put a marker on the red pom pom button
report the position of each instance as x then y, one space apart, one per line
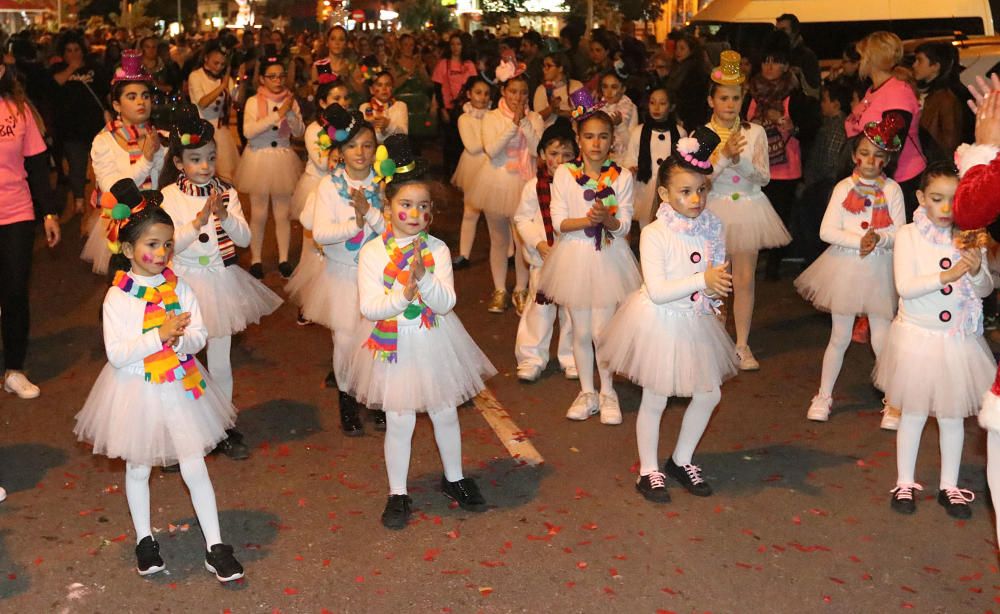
864 225
695 257
945 316
945 263
946 290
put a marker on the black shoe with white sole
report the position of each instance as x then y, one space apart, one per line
689 477
147 557
653 487
220 560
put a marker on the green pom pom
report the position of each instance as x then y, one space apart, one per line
120 211
412 312
388 168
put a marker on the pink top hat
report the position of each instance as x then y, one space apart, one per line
131 68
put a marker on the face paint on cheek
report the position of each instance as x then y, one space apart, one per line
402 216
147 259
427 217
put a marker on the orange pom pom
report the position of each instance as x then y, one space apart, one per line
108 200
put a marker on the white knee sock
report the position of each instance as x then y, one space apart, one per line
499 227
647 430
833 358
951 438
696 417
219 365
907 446
879 328
342 351
258 224
195 475
137 495
470 219
583 347
398 438
448 435
599 319
282 227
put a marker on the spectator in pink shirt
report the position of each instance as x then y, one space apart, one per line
449 76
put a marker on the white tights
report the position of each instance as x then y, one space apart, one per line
587 326
219 365
952 436
342 350
744 288
993 471
470 219
195 475
840 340
281 203
399 436
647 427
500 237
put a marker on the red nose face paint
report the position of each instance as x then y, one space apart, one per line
402 216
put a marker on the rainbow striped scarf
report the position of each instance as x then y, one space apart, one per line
602 190
384 340
166 365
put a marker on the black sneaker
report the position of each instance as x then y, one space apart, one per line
331 380
396 514
147 557
233 446
904 498
653 487
350 422
956 502
175 468
285 269
459 263
257 270
465 493
689 477
302 320
378 418
220 560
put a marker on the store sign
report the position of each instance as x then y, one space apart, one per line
358 15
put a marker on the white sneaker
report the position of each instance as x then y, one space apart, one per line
611 411
571 373
18 384
745 357
890 417
583 407
819 408
3 494
529 373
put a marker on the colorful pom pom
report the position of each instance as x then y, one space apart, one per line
120 211
108 200
381 154
341 134
387 168
114 247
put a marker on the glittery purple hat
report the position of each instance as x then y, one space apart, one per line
131 68
583 105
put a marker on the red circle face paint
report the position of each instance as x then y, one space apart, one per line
427 217
402 216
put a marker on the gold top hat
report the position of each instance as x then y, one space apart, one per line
728 71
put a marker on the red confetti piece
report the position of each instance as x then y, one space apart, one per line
120 538
608 590
453 534
431 553
38 561
485 591
668 591
837 580
359 579
590 526
326 562
796 520
492 563
581 565
826 599
570 584
291 591
908 589
930 569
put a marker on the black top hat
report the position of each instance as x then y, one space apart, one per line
395 161
695 151
189 132
127 193
342 125
153 197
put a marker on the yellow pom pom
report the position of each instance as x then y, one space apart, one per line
381 154
115 247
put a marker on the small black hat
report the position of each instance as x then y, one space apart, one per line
341 125
153 198
695 151
561 130
395 161
190 132
126 192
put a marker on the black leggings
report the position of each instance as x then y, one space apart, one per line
16 242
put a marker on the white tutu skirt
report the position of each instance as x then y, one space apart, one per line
750 221
437 368
227 154
577 276
496 191
468 171
230 298
303 279
673 353
842 282
152 424
268 170
330 298
932 373
95 250
645 202
303 190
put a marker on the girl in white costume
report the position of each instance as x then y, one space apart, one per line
413 355
128 147
666 336
470 165
741 168
510 138
854 275
650 145
551 99
211 90
270 167
591 268
936 362
620 109
386 114
152 404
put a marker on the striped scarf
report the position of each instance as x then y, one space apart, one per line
130 135
864 195
384 339
601 190
227 249
543 189
378 107
166 365
724 133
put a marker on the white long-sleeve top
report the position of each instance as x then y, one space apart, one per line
659 148
111 163
437 289
842 228
317 164
498 131
263 132
529 224
568 202
630 118
398 116
125 343
923 299
746 177
189 250
541 99
200 84
674 265
334 220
